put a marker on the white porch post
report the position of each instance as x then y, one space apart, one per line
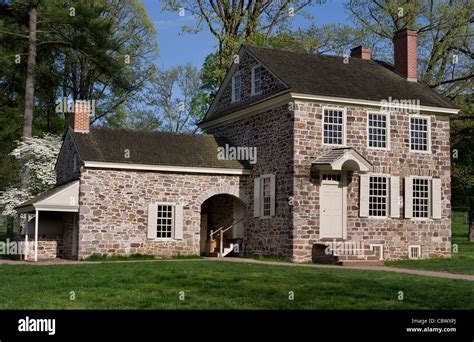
26 237
36 234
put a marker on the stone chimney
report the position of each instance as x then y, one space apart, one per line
79 120
404 44
361 52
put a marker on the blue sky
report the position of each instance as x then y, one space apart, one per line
180 48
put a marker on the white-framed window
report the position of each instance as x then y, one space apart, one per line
256 80
377 249
77 163
378 130
165 221
421 197
420 133
236 86
414 252
378 196
264 196
334 126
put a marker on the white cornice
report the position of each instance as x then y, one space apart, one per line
165 168
369 103
288 97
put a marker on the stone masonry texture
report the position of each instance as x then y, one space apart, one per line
113 214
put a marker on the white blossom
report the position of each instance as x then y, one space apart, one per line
37 156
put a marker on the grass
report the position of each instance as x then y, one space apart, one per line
119 257
461 262
266 258
222 285
106 258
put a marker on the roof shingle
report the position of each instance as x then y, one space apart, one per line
317 74
152 148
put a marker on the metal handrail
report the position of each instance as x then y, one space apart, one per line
221 239
225 229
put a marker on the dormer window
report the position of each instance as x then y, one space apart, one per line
236 82
77 163
256 80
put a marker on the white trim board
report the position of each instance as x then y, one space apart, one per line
369 103
281 98
165 168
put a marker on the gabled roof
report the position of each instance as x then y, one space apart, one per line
341 158
63 197
317 74
113 145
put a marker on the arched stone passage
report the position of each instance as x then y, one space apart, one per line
222 207
221 190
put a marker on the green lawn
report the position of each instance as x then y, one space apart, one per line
461 262
222 285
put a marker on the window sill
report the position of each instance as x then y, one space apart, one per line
420 152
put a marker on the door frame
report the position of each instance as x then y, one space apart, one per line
343 182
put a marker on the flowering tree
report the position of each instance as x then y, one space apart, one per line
38 156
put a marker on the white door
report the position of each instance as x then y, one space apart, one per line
331 207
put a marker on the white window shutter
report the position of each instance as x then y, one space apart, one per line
256 197
394 196
364 196
408 197
272 195
436 198
151 233
178 222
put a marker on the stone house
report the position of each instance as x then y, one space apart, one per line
346 150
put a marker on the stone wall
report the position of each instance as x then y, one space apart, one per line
69 220
271 132
395 234
270 85
113 210
49 247
65 162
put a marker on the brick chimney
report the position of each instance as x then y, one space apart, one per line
404 44
79 120
361 52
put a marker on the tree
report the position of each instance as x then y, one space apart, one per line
38 155
462 141
445 37
30 71
233 22
178 97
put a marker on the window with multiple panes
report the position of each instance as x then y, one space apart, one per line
164 221
378 130
333 127
266 195
421 197
256 80
419 134
236 85
378 196
414 252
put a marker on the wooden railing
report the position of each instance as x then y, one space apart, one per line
221 232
